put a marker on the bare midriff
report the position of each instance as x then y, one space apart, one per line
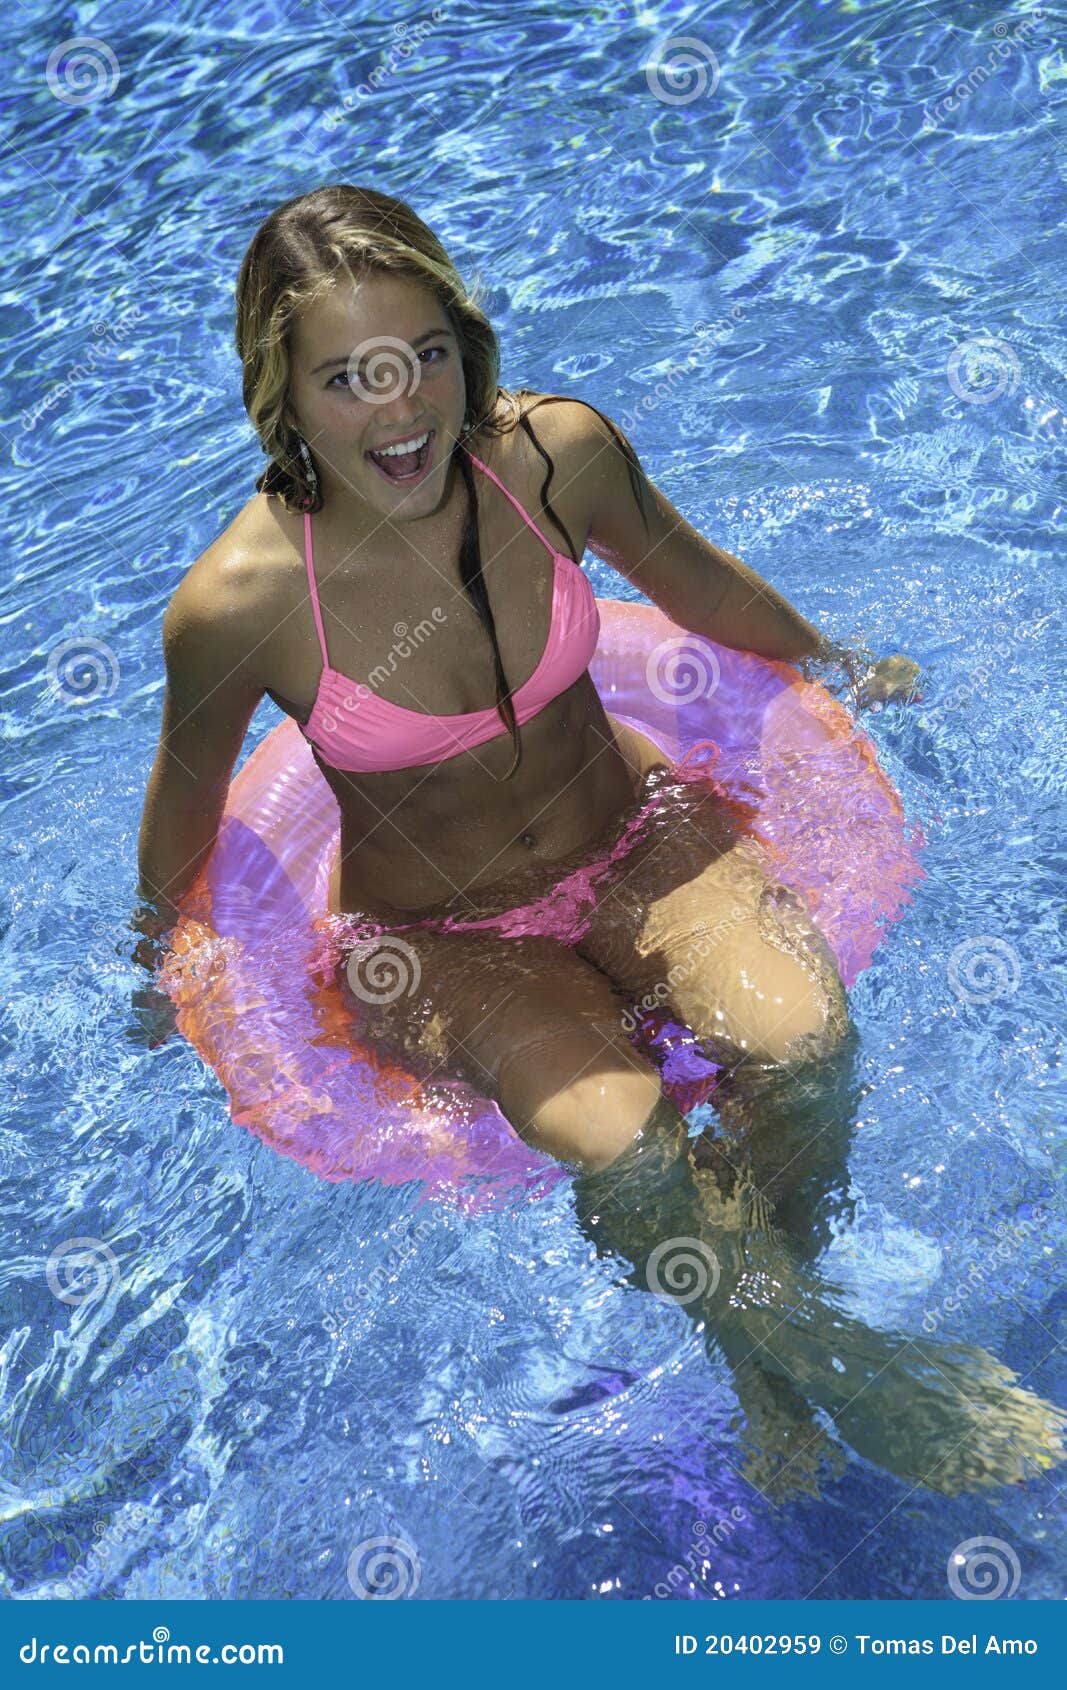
429 841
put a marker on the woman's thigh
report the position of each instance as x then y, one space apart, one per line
698 922
526 1021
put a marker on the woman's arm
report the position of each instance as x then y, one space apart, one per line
210 644
696 583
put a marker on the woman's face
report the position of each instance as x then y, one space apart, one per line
375 364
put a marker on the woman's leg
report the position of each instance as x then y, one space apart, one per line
539 1029
695 922
528 1023
695 919
947 1416
746 970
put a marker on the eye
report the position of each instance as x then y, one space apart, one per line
342 375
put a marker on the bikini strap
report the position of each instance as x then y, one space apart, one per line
526 517
309 560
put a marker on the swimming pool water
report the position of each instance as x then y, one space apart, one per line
822 295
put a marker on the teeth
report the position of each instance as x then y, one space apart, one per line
405 446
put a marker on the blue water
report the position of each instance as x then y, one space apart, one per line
870 418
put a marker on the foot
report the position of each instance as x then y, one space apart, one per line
953 1419
787 1451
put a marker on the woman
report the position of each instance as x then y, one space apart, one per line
355 333
542 862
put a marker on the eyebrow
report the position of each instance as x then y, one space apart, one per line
430 334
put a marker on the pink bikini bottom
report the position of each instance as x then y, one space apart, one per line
559 899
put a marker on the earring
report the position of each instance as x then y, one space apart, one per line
309 466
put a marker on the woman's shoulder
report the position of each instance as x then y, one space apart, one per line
571 434
571 431
559 421
254 536
233 587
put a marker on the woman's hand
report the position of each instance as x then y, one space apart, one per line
153 921
890 678
154 1014
871 680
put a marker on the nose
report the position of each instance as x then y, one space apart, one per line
399 421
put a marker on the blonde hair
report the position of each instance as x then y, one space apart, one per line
342 234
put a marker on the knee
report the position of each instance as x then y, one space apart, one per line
580 1100
779 1011
804 1018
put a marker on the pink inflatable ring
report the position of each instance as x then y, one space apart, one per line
281 1037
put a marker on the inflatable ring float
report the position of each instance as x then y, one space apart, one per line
280 1034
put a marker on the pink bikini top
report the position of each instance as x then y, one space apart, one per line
355 730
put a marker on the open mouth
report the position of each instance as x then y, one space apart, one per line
406 467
